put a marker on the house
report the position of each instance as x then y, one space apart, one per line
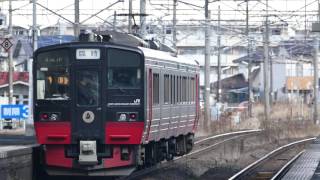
20 86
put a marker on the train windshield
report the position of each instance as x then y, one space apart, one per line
124 69
52 75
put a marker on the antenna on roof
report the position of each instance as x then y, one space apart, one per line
89 36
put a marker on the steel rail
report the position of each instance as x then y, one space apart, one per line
286 167
236 134
247 170
227 134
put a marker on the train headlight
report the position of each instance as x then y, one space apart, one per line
54 117
47 116
122 117
133 116
44 116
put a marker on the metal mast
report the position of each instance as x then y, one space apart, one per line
250 96
207 69
219 57
29 123
10 63
142 18
130 17
266 68
174 24
76 18
316 29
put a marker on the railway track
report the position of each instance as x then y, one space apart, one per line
267 166
200 146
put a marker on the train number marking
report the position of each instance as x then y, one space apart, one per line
88 117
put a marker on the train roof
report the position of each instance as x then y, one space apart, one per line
148 53
161 55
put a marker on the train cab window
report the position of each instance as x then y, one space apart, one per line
52 75
124 69
87 88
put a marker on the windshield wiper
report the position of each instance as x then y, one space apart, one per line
120 88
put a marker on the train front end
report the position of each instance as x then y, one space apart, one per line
89 108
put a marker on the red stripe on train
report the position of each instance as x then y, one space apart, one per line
55 156
53 132
116 161
124 132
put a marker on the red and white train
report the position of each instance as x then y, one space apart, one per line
103 109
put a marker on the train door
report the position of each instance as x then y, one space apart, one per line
87 119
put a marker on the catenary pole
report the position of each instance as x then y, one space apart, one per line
130 17
174 24
315 72
250 95
266 68
207 69
219 89
143 18
10 54
316 81
29 124
76 25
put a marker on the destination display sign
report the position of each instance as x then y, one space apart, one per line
53 58
88 54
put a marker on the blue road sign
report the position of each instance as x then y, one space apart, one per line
16 111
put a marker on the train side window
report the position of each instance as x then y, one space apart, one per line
171 89
155 88
184 89
192 89
178 89
166 89
180 79
174 90
188 90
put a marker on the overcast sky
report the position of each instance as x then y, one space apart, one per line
189 11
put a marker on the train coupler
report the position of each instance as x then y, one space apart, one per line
88 153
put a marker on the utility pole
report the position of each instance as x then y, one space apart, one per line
219 89
76 18
29 123
266 68
130 17
114 20
316 29
10 63
250 96
316 81
207 117
163 39
174 24
271 83
143 18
